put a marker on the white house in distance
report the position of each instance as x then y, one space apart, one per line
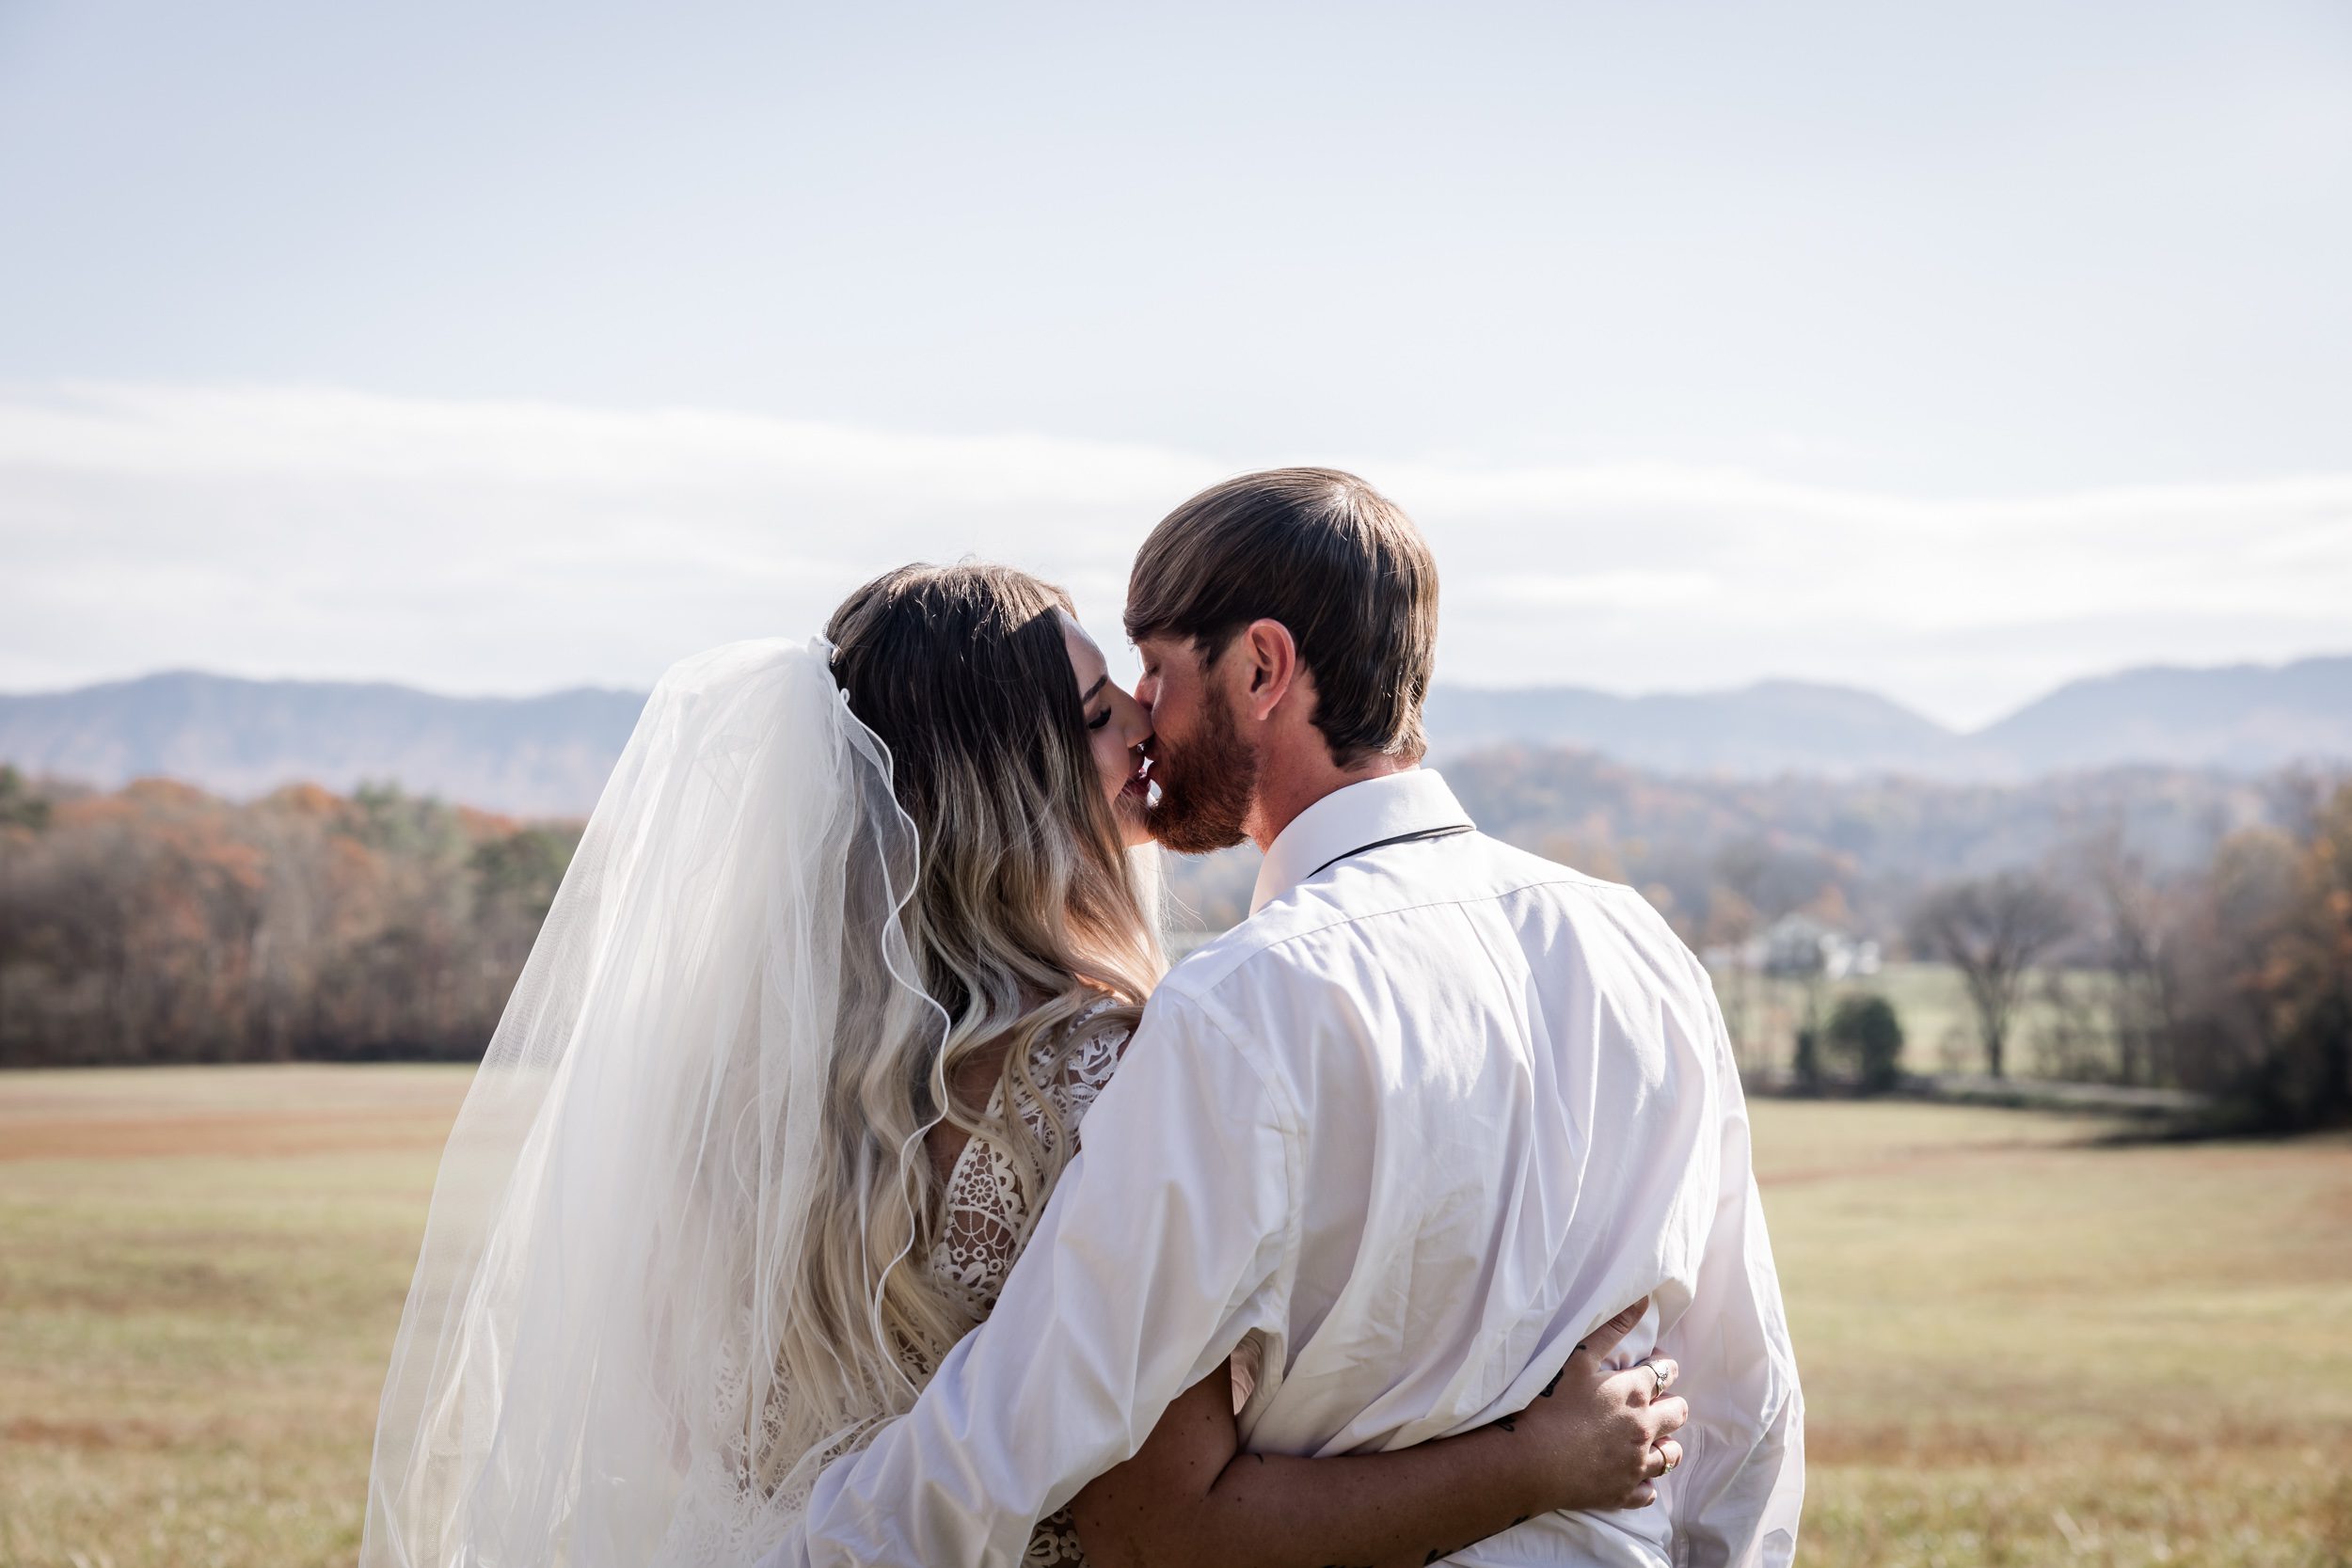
1798 946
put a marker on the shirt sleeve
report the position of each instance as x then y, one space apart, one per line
1162 1246
1736 1496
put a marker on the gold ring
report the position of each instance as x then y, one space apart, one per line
1672 1459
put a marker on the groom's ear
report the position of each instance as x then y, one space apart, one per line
1269 667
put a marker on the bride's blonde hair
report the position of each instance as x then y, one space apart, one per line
1024 914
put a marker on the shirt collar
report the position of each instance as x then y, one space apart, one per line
1350 818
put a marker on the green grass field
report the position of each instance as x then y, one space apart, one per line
1939 1028
2020 1346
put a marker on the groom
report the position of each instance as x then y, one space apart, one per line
1424 1120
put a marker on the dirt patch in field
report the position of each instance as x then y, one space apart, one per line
1942 1446
249 1135
89 1435
1918 1448
1899 1162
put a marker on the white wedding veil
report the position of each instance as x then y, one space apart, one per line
585 1373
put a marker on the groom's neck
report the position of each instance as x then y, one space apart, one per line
1289 784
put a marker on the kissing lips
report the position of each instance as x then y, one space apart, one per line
1138 785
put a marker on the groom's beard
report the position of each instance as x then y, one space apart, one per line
1206 785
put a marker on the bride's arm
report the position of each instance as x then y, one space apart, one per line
1189 1496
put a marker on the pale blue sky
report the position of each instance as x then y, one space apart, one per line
1905 265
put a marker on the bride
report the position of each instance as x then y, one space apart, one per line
853 939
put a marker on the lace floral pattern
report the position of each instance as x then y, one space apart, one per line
987 1218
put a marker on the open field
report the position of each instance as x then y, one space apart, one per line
1939 1027
2020 1347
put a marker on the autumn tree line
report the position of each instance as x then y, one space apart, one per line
161 923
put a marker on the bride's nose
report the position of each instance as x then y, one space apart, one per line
1137 723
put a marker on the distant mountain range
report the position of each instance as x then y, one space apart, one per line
1783 842
535 756
2240 719
1768 728
548 755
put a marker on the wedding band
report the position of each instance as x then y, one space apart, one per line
1672 1459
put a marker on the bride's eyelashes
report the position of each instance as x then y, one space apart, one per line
1098 720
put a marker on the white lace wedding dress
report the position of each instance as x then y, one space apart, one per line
988 1220
632 1179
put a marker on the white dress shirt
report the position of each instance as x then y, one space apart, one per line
1432 1113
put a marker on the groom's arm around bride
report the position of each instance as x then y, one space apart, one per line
1415 1129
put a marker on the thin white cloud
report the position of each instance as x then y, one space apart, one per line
1625 590
514 547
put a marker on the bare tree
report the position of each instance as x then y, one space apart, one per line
1993 930
2135 924
1733 920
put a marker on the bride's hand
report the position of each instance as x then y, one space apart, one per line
1602 1438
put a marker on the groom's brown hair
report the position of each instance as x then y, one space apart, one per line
1337 562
